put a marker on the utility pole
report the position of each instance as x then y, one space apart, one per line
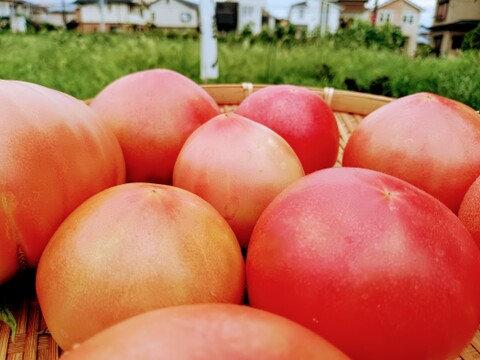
12 16
374 14
208 41
64 15
101 5
323 21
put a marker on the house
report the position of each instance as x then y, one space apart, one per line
119 15
236 15
15 12
453 19
173 14
61 16
404 14
315 14
5 9
37 13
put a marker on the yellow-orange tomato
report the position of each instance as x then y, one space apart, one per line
206 332
133 248
54 154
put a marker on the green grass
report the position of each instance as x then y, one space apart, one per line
82 65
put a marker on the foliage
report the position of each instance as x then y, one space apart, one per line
363 34
472 39
82 64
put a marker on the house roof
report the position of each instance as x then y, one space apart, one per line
189 4
58 8
301 3
461 25
405 1
85 2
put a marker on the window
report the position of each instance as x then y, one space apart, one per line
301 13
407 19
185 17
384 17
247 10
441 13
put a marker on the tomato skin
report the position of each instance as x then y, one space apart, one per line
238 166
152 113
209 332
134 248
54 154
374 265
301 117
428 140
469 212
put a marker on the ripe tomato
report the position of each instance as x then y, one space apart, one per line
54 154
428 140
152 113
301 117
238 166
206 332
374 265
133 248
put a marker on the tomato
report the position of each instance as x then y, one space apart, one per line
133 248
428 140
152 113
301 117
54 154
371 263
206 331
469 212
238 166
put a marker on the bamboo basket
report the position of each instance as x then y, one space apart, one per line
33 341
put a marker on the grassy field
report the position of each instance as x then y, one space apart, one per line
82 65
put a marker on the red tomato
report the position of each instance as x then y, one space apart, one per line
54 154
301 117
469 212
152 113
133 248
238 166
371 263
428 140
208 332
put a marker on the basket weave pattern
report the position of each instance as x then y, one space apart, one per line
33 341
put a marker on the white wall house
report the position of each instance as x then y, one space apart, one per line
16 12
173 14
5 9
118 15
315 14
61 14
249 12
58 17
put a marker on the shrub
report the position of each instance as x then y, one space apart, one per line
361 33
472 39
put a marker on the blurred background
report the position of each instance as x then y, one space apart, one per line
387 47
